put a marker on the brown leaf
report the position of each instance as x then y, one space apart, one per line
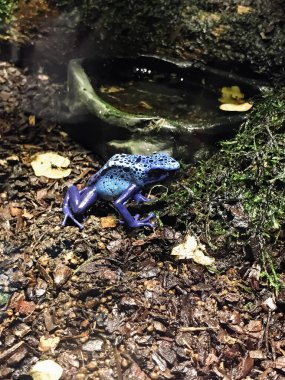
20 353
244 368
41 194
15 209
10 351
279 363
254 326
108 222
134 372
25 307
27 215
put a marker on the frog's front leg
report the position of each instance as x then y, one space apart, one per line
131 221
77 202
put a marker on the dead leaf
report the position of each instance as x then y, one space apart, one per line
270 303
244 368
219 31
32 120
191 249
254 326
13 158
145 105
48 344
236 107
111 89
15 210
27 214
25 307
108 222
41 194
232 95
51 165
46 370
242 9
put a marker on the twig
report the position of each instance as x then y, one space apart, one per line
267 333
193 328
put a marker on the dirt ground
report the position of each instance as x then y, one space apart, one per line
105 302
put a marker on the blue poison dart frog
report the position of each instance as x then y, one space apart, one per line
121 179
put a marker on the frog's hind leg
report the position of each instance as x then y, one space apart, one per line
139 198
131 221
77 202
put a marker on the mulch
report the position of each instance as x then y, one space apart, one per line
105 302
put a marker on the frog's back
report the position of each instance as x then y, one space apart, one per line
123 170
111 185
132 166
116 176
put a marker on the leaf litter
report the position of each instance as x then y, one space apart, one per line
107 303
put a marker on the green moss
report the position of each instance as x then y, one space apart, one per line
239 194
6 10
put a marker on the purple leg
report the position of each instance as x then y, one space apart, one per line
77 202
128 218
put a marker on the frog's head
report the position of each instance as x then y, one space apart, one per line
159 166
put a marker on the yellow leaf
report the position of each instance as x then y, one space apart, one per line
242 9
108 222
51 165
111 89
13 158
232 95
32 120
236 107
48 344
145 105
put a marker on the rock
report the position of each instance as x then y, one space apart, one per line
93 345
61 274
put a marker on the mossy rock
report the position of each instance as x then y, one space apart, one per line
107 129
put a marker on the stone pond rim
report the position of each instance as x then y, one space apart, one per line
106 129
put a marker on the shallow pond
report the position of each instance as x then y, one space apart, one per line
146 86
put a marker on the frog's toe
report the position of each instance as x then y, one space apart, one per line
64 221
69 215
150 216
144 222
80 225
139 198
136 217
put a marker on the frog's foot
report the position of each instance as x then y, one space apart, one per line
139 198
68 214
136 222
143 222
120 205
